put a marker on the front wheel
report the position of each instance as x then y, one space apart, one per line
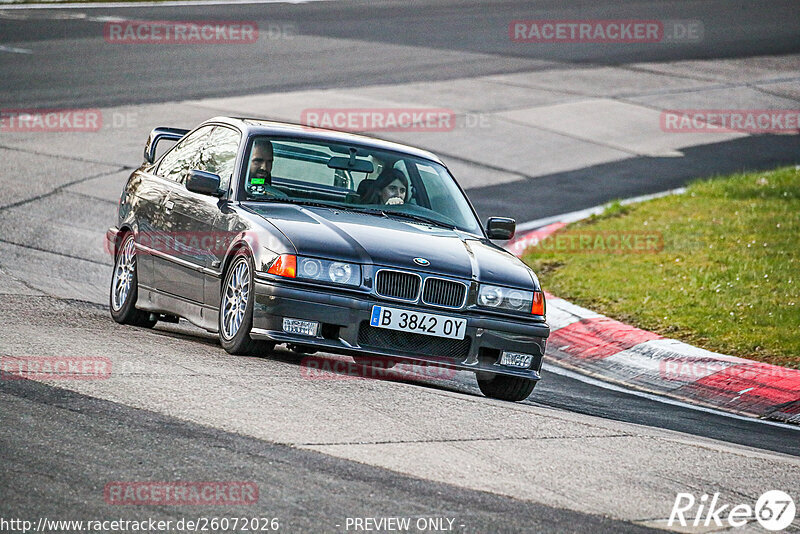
509 388
125 287
236 307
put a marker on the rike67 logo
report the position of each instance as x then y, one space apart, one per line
774 510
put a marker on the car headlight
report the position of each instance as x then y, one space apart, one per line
337 272
310 268
341 273
516 300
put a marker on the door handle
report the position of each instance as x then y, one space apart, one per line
168 205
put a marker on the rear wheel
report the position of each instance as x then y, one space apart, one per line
509 388
236 308
125 287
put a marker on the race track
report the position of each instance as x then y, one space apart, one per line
574 457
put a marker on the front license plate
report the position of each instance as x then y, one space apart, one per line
515 359
418 323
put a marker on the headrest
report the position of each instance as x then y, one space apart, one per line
364 186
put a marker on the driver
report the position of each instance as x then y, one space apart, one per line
391 187
261 158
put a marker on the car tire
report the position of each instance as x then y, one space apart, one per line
236 307
124 291
508 388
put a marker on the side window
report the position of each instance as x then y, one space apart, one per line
183 157
218 154
440 197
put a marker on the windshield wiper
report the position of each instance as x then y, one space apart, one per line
299 202
387 213
418 218
368 211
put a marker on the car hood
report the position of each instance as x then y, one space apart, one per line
393 242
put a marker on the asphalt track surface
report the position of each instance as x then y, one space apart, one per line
305 491
92 73
48 468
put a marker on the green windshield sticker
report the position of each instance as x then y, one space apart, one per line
257 181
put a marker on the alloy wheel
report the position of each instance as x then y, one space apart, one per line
123 274
234 300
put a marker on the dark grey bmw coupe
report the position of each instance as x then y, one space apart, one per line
272 233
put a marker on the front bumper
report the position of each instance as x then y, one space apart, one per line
345 329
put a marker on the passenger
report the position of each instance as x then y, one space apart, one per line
391 187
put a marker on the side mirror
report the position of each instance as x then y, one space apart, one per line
500 228
173 134
204 183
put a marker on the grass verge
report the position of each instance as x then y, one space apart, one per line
717 267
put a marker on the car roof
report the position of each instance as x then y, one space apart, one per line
266 127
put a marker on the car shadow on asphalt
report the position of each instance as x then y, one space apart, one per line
329 366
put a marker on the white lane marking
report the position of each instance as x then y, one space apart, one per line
588 212
106 19
557 370
15 50
179 3
80 16
562 313
58 16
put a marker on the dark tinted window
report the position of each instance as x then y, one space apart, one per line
218 154
184 156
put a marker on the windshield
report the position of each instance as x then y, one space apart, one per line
354 177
